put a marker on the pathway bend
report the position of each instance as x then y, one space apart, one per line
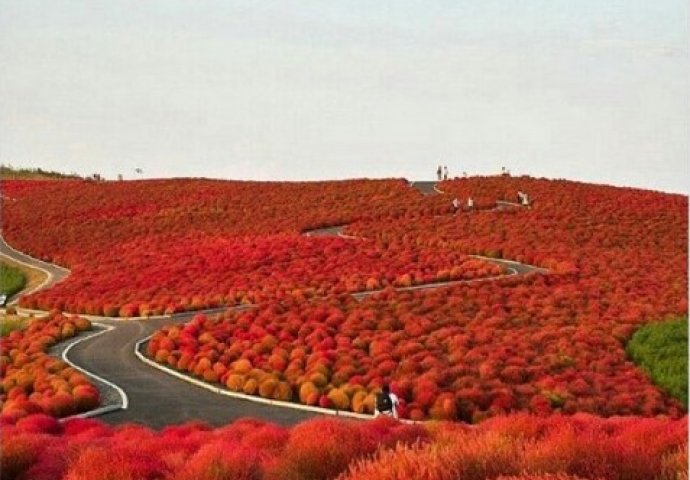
54 273
157 399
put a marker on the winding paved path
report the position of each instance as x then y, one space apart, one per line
54 273
156 399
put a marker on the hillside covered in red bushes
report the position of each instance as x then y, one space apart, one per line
542 342
531 357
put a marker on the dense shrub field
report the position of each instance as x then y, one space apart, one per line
512 448
550 345
616 260
661 349
33 381
466 353
190 245
84 218
196 272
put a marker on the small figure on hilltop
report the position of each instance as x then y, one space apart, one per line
470 204
445 173
505 172
386 403
464 174
439 172
455 205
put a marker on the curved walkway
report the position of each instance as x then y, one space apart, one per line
54 273
157 399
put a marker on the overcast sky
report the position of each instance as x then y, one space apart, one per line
589 90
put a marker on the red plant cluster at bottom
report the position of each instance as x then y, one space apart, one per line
514 447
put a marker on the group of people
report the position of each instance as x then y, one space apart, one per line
522 199
456 205
442 173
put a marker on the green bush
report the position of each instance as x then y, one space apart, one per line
11 280
661 349
10 323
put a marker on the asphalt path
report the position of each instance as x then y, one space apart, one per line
426 188
336 230
157 399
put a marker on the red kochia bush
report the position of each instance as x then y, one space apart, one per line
321 449
545 476
40 423
221 459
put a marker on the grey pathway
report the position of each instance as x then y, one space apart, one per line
325 232
426 188
157 399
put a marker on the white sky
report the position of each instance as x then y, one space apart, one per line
587 90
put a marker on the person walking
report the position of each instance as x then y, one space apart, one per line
445 173
386 403
456 205
470 204
439 172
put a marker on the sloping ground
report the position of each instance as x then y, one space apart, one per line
619 258
156 399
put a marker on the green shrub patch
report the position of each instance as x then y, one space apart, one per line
11 280
661 349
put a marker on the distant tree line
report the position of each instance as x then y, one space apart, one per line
8 171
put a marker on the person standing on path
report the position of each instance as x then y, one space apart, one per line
445 173
438 173
456 206
386 403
